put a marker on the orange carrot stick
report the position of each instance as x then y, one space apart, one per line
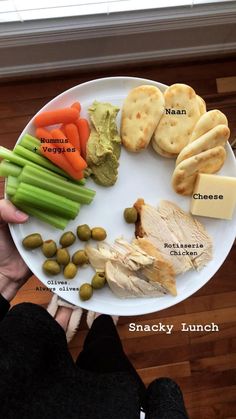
59 160
43 133
74 158
58 134
76 105
72 134
84 133
58 116
62 129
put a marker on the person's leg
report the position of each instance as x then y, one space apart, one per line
165 400
31 341
103 352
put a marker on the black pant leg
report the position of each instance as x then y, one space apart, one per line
32 344
103 352
165 400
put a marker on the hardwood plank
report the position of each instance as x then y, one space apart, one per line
181 369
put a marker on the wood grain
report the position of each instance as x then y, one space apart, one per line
203 363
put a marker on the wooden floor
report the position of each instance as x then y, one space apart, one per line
204 364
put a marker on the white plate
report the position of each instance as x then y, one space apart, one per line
145 175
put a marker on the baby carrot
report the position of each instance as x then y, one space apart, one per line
58 134
84 133
43 133
58 116
59 160
77 106
75 159
72 134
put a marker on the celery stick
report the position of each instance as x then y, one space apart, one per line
35 158
31 143
46 200
12 185
65 188
7 169
13 181
20 161
10 190
52 219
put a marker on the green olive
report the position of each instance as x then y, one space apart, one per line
85 292
67 239
51 267
84 232
49 248
32 241
98 280
80 257
130 215
70 270
63 256
98 233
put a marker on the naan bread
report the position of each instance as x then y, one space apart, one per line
141 113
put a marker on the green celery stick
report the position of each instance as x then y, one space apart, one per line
35 158
10 190
13 181
48 182
12 185
52 219
30 142
46 200
20 161
33 144
9 169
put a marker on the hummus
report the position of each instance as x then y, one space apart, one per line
104 143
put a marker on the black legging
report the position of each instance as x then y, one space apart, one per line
33 345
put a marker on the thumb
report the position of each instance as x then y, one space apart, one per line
10 214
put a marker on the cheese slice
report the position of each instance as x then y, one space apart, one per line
214 196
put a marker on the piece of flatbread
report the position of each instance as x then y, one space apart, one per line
185 174
141 112
162 153
201 104
215 137
208 121
181 115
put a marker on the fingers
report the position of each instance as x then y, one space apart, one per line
10 214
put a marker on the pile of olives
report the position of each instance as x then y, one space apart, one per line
59 258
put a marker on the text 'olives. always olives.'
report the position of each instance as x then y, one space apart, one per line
98 233
63 256
32 241
84 232
51 267
85 292
49 248
130 215
70 270
80 258
99 280
67 239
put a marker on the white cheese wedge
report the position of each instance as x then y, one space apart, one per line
214 196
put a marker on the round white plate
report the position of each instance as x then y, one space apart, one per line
145 175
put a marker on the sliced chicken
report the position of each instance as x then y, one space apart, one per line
189 231
125 284
156 230
162 271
